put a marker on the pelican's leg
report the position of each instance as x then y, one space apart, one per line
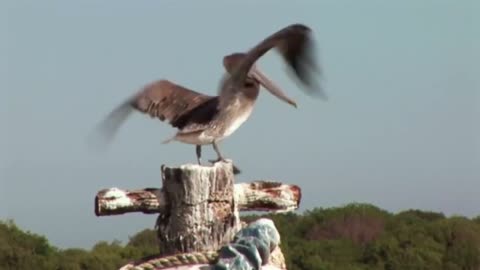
221 158
217 150
219 155
199 154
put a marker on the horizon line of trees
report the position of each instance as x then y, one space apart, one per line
354 237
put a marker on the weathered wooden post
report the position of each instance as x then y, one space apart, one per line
198 209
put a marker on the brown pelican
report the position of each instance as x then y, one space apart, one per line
204 119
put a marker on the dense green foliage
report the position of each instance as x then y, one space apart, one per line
356 237
21 250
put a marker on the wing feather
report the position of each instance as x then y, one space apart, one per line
162 99
168 101
295 44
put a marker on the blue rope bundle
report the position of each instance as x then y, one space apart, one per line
250 248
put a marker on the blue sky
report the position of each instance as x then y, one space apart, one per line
400 129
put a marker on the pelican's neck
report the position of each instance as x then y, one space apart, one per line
251 89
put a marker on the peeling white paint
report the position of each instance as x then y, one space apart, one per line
239 194
244 194
116 198
114 193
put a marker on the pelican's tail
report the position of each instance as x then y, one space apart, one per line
169 140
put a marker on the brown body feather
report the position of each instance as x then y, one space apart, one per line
171 102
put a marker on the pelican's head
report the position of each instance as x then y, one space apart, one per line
233 60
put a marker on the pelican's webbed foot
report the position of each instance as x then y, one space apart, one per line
217 160
221 158
236 170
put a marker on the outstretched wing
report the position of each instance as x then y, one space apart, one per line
296 45
168 101
163 99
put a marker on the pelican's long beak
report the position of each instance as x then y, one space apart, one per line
270 86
